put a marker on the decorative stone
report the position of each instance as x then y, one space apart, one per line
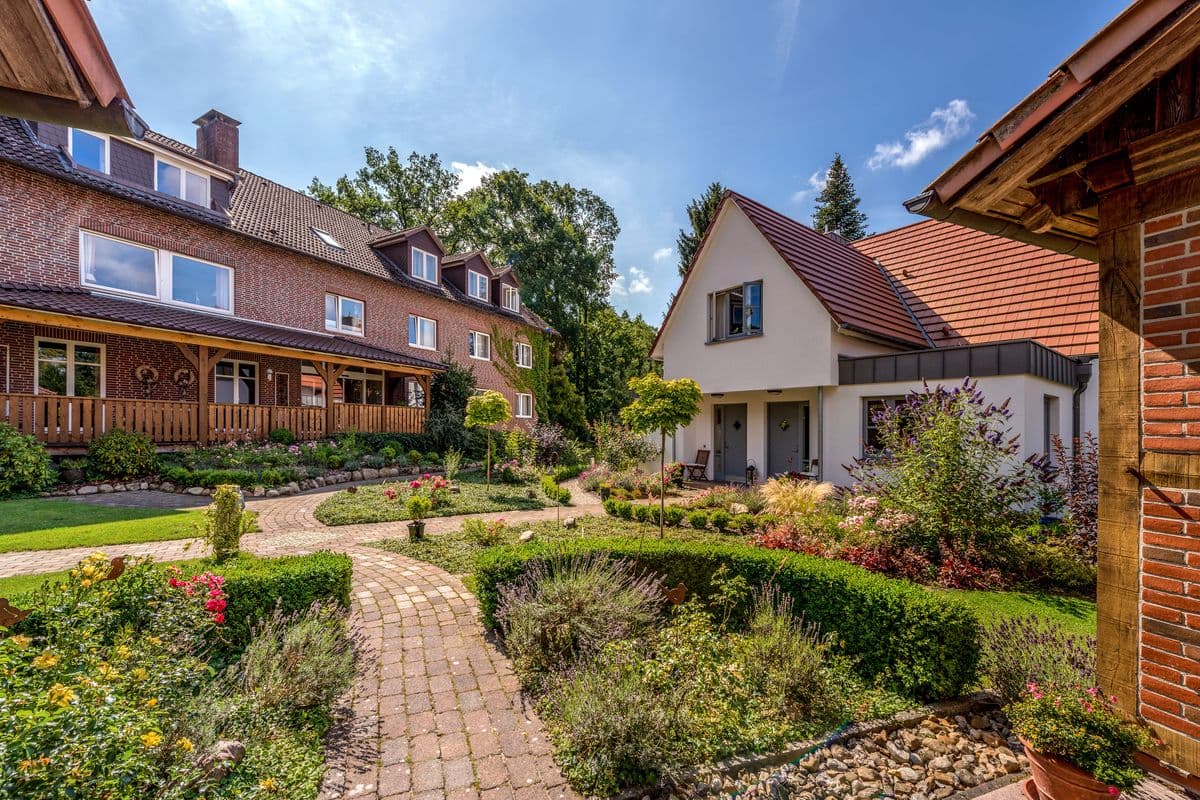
88 489
389 472
105 488
738 508
166 486
525 536
370 474
356 475
570 522
220 761
295 487
258 491
272 493
196 490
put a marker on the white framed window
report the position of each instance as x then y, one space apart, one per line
88 149
477 285
524 406
68 369
312 387
523 354
179 181
327 238
236 382
479 345
737 312
414 393
364 387
422 332
128 268
344 314
424 265
510 298
872 408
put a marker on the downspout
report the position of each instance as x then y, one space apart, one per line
1083 374
820 434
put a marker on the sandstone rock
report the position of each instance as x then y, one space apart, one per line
105 488
389 472
525 536
738 508
941 763
356 475
87 489
143 485
910 775
258 491
370 474
166 486
272 493
221 760
196 490
966 777
570 522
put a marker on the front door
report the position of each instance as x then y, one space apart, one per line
731 442
785 438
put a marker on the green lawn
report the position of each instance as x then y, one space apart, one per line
368 503
43 524
1073 613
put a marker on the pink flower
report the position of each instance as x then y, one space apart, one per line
1114 791
415 485
219 618
426 476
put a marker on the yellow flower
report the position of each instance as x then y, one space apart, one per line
151 738
21 641
151 702
86 582
185 744
268 785
46 660
123 651
108 672
60 695
154 640
139 674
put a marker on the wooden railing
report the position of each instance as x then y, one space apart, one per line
75 421
382 419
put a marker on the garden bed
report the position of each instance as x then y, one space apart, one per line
372 504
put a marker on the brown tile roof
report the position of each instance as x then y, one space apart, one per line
80 302
852 288
260 208
969 287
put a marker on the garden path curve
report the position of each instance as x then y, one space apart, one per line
436 711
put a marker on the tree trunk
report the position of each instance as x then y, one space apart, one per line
662 481
489 460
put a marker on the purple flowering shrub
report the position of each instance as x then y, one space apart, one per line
1018 651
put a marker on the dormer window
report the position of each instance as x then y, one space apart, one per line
181 182
511 299
424 265
88 149
477 285
327 238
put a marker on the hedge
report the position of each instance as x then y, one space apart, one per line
253 587
915 641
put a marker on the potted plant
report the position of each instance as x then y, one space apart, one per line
1079 744
418 507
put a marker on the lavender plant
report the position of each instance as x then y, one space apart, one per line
948 457
1019 651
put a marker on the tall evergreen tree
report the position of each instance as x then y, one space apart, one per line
701 212
837 204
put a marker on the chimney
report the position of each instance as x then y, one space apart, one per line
217 139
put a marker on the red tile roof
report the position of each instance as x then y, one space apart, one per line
969 287
854 290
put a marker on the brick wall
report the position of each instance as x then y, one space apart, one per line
39 243
1169 654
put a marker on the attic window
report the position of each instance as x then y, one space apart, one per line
327 238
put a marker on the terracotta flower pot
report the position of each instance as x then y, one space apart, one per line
1057 779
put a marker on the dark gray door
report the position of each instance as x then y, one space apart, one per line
732 437
785 438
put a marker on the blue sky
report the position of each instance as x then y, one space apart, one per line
642 102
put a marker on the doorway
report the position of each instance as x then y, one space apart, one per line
787 437
729 435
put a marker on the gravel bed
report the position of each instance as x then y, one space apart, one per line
933 759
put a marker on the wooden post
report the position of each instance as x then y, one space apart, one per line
202 372
329 374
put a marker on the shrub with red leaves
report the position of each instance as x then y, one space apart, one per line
789 537
898 562
963 570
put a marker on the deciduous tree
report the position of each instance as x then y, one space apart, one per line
488 410
393 193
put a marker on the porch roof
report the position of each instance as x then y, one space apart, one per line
56 305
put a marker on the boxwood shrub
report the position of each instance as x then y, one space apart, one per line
915 641
253 587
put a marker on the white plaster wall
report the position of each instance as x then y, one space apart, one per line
796 346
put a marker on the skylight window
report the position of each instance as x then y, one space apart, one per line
327 238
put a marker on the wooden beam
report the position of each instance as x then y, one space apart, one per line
1174 470
1038 219
186 352
203 370
1110 172
1166 153
39 317
1117 605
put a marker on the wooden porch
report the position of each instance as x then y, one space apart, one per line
72 422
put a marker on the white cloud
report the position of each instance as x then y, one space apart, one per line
471 175
789 14
636 282
943 126
816 185
663 253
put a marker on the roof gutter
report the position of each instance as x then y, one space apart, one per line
928 204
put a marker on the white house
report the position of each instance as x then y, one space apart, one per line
796 336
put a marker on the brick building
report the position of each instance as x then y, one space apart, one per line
149 285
